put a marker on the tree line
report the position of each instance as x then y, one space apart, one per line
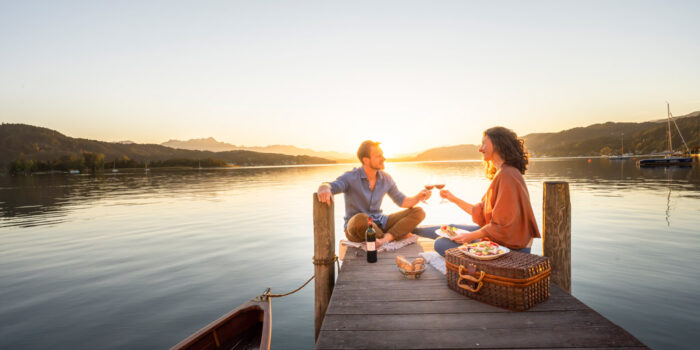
95 162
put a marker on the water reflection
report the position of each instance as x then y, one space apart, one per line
51 197
27 201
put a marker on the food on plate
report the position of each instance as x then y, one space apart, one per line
403 263
483 248
450 231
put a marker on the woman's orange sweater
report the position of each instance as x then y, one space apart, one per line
505 213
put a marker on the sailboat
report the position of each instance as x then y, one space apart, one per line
114 167
622 155
671 158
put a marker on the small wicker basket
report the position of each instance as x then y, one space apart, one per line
412 274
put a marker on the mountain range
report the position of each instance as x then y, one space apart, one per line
593 140
211 144
21 141
45 145
607 138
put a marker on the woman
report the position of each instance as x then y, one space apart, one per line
504 214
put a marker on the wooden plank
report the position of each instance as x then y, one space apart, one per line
357 307
439 293
400 284
477 338
381 261
390 285
402 294
353 253
385 275
461 321
637 347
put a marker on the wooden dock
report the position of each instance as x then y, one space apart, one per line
373 306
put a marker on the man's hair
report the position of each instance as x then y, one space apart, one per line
365 148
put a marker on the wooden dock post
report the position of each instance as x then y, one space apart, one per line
556 231
324 264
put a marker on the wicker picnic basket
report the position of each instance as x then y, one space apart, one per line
516 281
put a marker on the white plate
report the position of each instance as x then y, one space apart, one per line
442 234
466 252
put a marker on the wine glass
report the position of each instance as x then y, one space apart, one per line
440 184
429 183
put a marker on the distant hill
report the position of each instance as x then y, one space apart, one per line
42 144
211 144
207 144
601 139
459 152
593 140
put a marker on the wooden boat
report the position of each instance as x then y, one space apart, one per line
246 327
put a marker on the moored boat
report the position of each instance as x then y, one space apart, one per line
671 158
666 161
622 155
246 327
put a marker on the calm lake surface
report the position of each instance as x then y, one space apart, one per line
141 260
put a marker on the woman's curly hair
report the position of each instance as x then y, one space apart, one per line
510 147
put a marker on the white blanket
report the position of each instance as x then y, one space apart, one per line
432 258
435 260
393 245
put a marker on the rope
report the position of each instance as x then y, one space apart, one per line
327 261
292 292
315 261
679 133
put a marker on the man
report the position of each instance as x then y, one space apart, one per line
364 189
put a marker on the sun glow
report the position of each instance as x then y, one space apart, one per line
394 147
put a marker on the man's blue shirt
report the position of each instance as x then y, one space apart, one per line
360 199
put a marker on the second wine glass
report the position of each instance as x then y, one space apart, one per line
440 184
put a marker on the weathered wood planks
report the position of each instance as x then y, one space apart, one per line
374 307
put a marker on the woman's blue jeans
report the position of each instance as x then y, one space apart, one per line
442 244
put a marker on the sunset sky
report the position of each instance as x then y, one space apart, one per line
328 74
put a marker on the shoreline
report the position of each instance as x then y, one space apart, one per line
232 167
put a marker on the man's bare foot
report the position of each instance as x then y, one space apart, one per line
388 237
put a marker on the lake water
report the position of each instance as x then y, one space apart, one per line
141 260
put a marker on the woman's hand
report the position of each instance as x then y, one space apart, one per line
447 195
463 238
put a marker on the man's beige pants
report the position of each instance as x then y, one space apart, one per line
399 224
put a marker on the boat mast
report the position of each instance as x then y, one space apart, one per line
668 114
622 144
